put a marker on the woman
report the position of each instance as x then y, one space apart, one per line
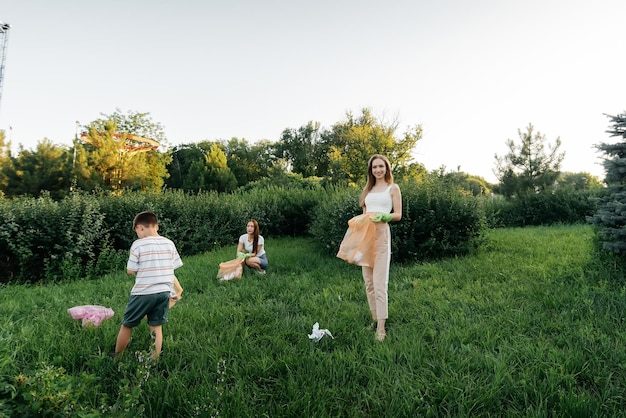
381 198
251 244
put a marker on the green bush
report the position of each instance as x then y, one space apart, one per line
43 238
561 206
436 222
282 211
330 217
87 235
196 223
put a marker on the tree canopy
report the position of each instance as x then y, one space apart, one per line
610 216
528 166
104 157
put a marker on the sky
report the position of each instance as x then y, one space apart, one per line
472 73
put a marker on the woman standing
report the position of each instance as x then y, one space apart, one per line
252 244
381 198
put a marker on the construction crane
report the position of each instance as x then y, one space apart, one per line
4 39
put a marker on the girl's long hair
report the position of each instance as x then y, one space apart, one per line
371 180
255 235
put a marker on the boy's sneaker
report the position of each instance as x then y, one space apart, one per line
260 272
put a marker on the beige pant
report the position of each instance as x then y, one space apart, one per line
377 278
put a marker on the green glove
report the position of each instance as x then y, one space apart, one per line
382 217
242 256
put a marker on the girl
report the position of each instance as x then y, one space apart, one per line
381 198
252 243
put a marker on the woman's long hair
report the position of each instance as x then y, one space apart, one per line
371 180
255 235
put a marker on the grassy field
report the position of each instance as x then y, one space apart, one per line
531 325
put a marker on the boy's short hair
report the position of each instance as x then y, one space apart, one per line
146 219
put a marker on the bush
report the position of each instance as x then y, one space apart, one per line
43 238
330 217
86 235
436 222
563 205
281 211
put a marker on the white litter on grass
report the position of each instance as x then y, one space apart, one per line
228 276
318 333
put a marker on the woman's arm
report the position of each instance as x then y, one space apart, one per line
240 248
396 199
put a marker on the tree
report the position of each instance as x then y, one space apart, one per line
352 142
528 166
466 183
136 123
180 168
218 176
610 215
46 168
579 181
247 162
6 162
298 148
123 151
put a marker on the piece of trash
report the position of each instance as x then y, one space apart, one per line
91 314
318 333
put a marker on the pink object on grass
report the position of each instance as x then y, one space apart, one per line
91 314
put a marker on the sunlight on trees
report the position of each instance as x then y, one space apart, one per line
610 217
105 157
352 142
528 166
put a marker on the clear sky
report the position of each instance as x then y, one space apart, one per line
471 72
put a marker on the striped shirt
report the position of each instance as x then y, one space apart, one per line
154 259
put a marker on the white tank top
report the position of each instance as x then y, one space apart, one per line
379 202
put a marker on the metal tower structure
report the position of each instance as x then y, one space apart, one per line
4 40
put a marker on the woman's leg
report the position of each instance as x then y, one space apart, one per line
257 263
254 262
368 279
381 275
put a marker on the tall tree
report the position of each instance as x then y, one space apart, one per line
136 123
249 162
218 176
201 166
183 158
124 151
579 181
466 183
353 141
298 148
44 169
6 162
610 216
528 166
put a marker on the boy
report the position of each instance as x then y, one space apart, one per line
152 261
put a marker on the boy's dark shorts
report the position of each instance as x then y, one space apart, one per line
155 306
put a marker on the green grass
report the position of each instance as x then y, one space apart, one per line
531 325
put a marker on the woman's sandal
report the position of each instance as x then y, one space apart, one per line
380 336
